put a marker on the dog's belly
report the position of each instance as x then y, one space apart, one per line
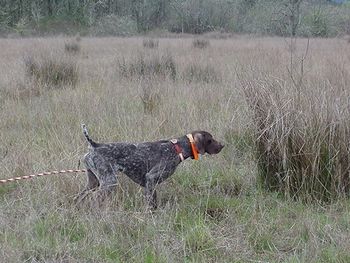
136 172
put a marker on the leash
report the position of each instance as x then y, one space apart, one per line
14 179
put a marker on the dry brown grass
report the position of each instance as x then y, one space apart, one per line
151 98
148 65
200 43
150 43
73 46
210 211
201 73
51 69
301 127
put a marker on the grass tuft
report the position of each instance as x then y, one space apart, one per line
301 142
151 100
200 43
150 43
51 70
72 47
199 240
201 73
154 65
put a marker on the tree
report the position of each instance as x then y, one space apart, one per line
294 15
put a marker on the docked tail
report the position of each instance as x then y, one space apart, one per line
86 134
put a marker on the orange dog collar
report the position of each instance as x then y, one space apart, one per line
193 146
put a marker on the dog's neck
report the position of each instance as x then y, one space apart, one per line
185 145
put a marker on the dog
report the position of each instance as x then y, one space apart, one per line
147 164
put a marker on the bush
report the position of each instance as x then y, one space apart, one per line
51 70
154 65
261 18
150 43
317 24
200 43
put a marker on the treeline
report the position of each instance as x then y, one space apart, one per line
127 17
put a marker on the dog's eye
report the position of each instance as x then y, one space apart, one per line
209 141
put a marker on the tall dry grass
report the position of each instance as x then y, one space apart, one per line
150 43
200 43
148 65
51 69
302 144
73 46
302 128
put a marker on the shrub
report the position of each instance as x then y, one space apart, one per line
200 43
150 43
51 70
197 72
154 65
317 24
301 139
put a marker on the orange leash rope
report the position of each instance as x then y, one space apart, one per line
9 180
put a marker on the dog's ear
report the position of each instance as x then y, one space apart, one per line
199 141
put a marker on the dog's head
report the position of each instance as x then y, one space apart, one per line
205 143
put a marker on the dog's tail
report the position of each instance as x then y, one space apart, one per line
86 134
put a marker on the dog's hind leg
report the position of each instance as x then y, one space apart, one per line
91 186
108 180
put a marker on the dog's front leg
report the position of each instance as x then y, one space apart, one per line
153 177
150 190
157 175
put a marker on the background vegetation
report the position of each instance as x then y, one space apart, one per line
124 17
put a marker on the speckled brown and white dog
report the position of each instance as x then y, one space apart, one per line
147 163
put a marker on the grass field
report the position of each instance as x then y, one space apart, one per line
212 210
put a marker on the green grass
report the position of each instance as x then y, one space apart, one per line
6 189
264 224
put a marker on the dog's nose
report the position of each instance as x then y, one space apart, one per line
220 146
